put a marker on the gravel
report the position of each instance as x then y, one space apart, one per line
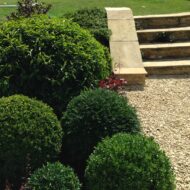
163 106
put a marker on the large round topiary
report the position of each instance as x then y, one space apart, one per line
30 135
49 58
132 162
54 177
90 117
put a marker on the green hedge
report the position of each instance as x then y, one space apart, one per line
90 117
52 59
30 135
54 177
131 162
94 20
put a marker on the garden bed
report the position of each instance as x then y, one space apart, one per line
164 109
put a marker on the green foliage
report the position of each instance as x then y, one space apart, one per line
27 8
30 135
54 177
90 117
129 162
49 58
94 20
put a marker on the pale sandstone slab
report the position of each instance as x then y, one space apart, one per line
124 45
162 21
187 28
172 67
167 63
185 14
119 13
126 54
129 70
123 30
132 75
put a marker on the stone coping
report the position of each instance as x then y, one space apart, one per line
128 71
187 28
167 63
163 15
165 45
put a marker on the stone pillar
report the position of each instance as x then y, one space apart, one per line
124 46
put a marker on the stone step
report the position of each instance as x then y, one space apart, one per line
180 66
162 21
164 35
132 75
165 51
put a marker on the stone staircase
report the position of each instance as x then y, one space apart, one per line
165 43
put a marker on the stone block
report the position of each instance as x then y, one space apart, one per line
119 13
126 54
122 30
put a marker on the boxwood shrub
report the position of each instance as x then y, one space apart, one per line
51 59
54 177
129 162
30 135
90 117
94 20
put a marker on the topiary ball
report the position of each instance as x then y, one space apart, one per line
30 135
90 117
51 59
129 162
54 177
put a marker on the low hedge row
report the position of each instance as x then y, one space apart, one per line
95 21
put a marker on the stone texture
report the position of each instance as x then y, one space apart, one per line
166 35
162 21
132 75
149 23
119 13
165 43
122 30
126 54
165 51
124 44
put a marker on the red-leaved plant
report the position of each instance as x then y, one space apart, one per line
112 83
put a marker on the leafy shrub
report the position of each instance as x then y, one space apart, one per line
30 134
27 8
129 162
90 117
94 20
54 177
112 83
50 59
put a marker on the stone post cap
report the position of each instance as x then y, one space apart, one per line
119 13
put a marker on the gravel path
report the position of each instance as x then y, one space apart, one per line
164 109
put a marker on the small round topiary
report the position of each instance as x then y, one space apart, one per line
129 162
90 117
54 177
51 59
30 135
